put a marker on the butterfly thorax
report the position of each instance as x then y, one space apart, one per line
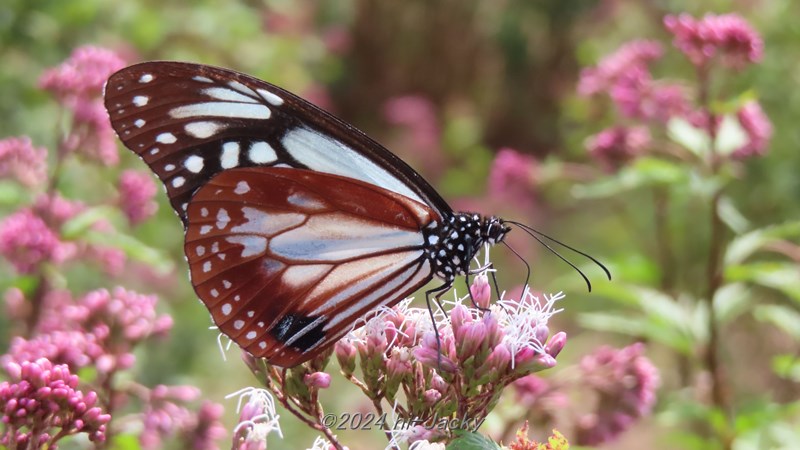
450 246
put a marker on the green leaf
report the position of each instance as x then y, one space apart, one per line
472 441
729 214
11 193
125 442
785 318
780 276
642 172
730 301
747 244
133 248
730 135
695 140
662 319
81 223
787 366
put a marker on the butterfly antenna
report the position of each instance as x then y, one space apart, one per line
553 251
527 266
569 247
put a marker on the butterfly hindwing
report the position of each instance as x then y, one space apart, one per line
189 122
286 260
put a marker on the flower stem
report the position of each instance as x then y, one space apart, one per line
719 390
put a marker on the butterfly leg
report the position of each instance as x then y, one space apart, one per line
436 294
470 272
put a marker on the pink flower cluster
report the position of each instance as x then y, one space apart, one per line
77 84
31 237
419 115
27 242
420 132
513 176
100 329
83 74
616 146
477 351
625 76
726 35
625 382
630 56
166 416
136 192
41 397
257 419
21 160
758 129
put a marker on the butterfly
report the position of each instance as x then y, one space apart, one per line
296 223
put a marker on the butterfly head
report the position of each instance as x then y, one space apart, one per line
493 230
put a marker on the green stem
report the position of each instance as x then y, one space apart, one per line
714 276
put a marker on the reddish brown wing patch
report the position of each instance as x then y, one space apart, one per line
286 260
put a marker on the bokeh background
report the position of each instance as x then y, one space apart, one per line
448 86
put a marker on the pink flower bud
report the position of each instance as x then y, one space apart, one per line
556 344
498 361
459 317
346 355
320 380
431 396
474 335
481 291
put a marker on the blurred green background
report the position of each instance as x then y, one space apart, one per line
497 74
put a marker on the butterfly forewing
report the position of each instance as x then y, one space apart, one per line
287 259
189 122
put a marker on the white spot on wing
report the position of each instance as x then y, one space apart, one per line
226 283
139 123
169 167
202 79
261 152
259 222
166 138
154 151
222 218
230 155
200 250
207 267
324 154
214 293
140 100
220 93
242 188
178 182
222 109
242 88
271 98
305 201
203 129
262 345
194 164
336 236
146 78
226 308
253 245
251 335
303 275
239 324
